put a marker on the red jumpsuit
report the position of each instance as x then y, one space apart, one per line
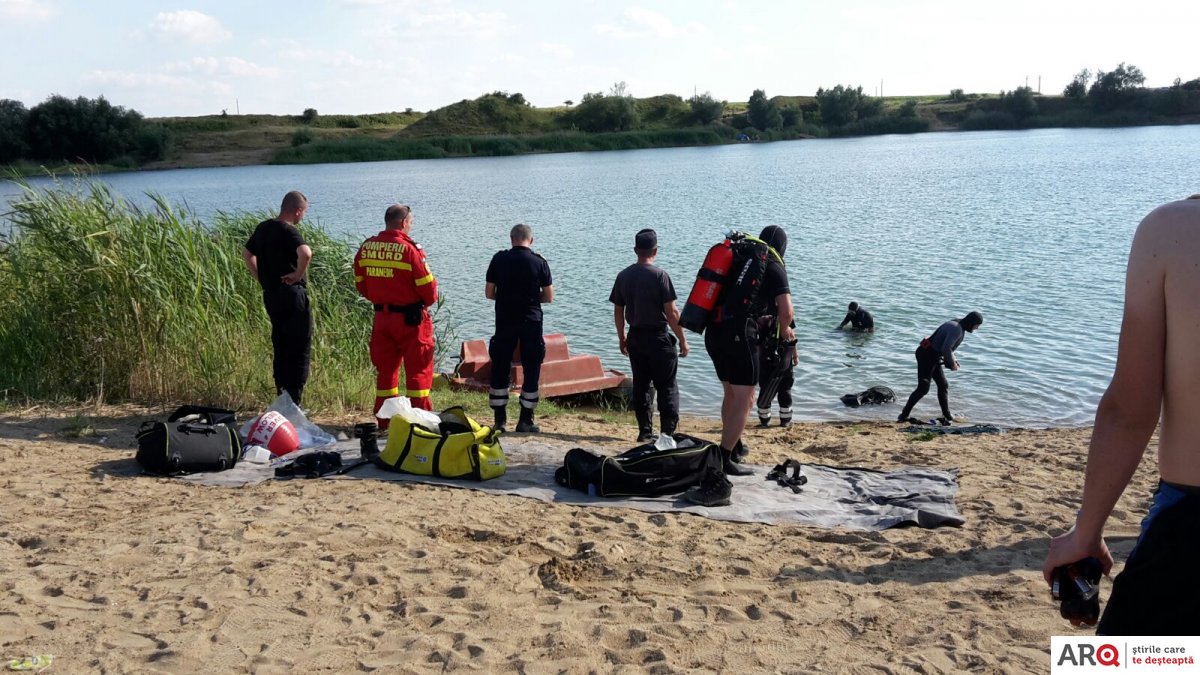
390 271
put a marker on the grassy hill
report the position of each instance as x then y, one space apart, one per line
498 113
500 123
234 140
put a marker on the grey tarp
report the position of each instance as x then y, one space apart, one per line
855 498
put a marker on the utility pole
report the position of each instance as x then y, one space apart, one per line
1039 85
881 89
237 105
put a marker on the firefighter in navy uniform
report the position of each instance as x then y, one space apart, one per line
278 259
390 271
519 281
644 296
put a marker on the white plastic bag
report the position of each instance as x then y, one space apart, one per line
665 442
310 435
400 405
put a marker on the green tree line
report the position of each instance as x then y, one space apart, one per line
94 131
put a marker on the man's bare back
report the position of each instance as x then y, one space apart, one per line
1167 251
1158 372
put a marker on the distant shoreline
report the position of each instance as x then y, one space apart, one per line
256 157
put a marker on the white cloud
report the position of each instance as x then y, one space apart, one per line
26 9
483 26
156 82
344 60
557 49
442 25
230 66
642 23
189 25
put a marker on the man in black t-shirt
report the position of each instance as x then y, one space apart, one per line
519 281
644 296
278 258
732 343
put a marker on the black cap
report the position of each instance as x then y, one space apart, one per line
646 240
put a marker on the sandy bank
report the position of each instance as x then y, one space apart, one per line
138 574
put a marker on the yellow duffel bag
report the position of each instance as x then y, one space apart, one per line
461 449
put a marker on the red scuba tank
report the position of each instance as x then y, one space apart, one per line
706 292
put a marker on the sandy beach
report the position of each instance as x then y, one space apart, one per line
116 573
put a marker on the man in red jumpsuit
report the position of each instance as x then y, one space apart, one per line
390 271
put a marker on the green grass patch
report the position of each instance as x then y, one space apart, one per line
921 436
78 427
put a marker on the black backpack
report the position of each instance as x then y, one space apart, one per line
644 471
745 279
194 438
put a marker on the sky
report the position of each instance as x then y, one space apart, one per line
364 56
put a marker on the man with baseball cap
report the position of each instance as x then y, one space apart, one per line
644 297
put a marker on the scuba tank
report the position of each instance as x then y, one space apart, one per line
710 281
720 288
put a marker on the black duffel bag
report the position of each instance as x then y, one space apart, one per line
644 471
194 438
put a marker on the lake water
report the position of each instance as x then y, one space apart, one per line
1031 228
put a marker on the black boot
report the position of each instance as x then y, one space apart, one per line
501 416
645 428
669 425
525 425
714 490
731 461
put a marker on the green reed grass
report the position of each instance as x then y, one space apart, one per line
103 300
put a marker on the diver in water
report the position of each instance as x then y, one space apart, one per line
859 319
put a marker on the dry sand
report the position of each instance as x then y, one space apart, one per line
112 573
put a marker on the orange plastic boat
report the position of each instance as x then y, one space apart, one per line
563 374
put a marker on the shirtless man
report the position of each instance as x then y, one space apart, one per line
1158 370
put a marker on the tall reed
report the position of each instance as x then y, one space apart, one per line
103 299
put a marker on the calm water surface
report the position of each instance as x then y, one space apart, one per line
1030 228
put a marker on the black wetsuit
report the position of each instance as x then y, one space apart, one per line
934 352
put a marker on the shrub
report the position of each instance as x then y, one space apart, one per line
154 141
599 113
301 137
309 115
705 108
13 120
764 114
980 120
81 129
